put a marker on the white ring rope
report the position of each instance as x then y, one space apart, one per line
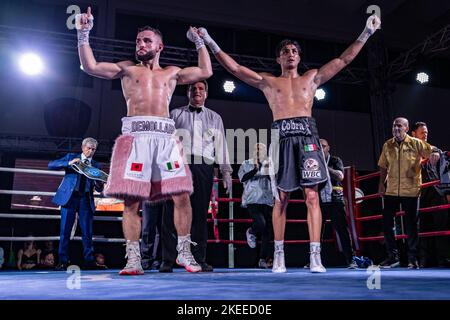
52 216
27 206
48 216
37 171
32 193
37 193
95 239
28 193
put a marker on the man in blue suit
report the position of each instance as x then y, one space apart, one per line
76 194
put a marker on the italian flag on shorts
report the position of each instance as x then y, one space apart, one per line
172 165
310 147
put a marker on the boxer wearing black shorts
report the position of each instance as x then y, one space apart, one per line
301 161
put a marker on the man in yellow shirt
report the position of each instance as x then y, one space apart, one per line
401 171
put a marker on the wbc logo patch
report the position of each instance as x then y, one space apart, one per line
311 169
311 164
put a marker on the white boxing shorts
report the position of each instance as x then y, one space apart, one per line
147 162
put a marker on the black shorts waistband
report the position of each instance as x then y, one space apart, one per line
298 126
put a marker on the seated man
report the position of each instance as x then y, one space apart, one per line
48 262
100 261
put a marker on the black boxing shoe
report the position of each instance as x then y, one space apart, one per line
206 267
166 267
155 265
391 262
413 264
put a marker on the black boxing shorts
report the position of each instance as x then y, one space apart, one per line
299 161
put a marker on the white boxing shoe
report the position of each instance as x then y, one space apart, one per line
133 255
315 263
185 257
278 262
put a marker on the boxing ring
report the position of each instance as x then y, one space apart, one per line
359 218
231 283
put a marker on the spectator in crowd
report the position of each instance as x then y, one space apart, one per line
258 199
100 261
29 256
48 261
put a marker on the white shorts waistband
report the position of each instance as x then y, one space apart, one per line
148 125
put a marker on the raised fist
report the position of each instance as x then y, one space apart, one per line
192 35
84 21
373 23
208 40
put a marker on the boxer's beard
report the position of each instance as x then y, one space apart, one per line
145 57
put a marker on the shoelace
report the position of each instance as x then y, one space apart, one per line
133 254
190 258
186 252
184 245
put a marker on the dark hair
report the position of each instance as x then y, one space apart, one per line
284 43
154 30
417 125
26 241
202 81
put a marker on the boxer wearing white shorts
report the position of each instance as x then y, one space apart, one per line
148 161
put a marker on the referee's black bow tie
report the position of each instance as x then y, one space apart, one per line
193 109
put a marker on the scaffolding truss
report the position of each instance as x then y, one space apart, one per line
431 46
49 145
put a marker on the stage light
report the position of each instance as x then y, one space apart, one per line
422 77
229 86
320 94
31 64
